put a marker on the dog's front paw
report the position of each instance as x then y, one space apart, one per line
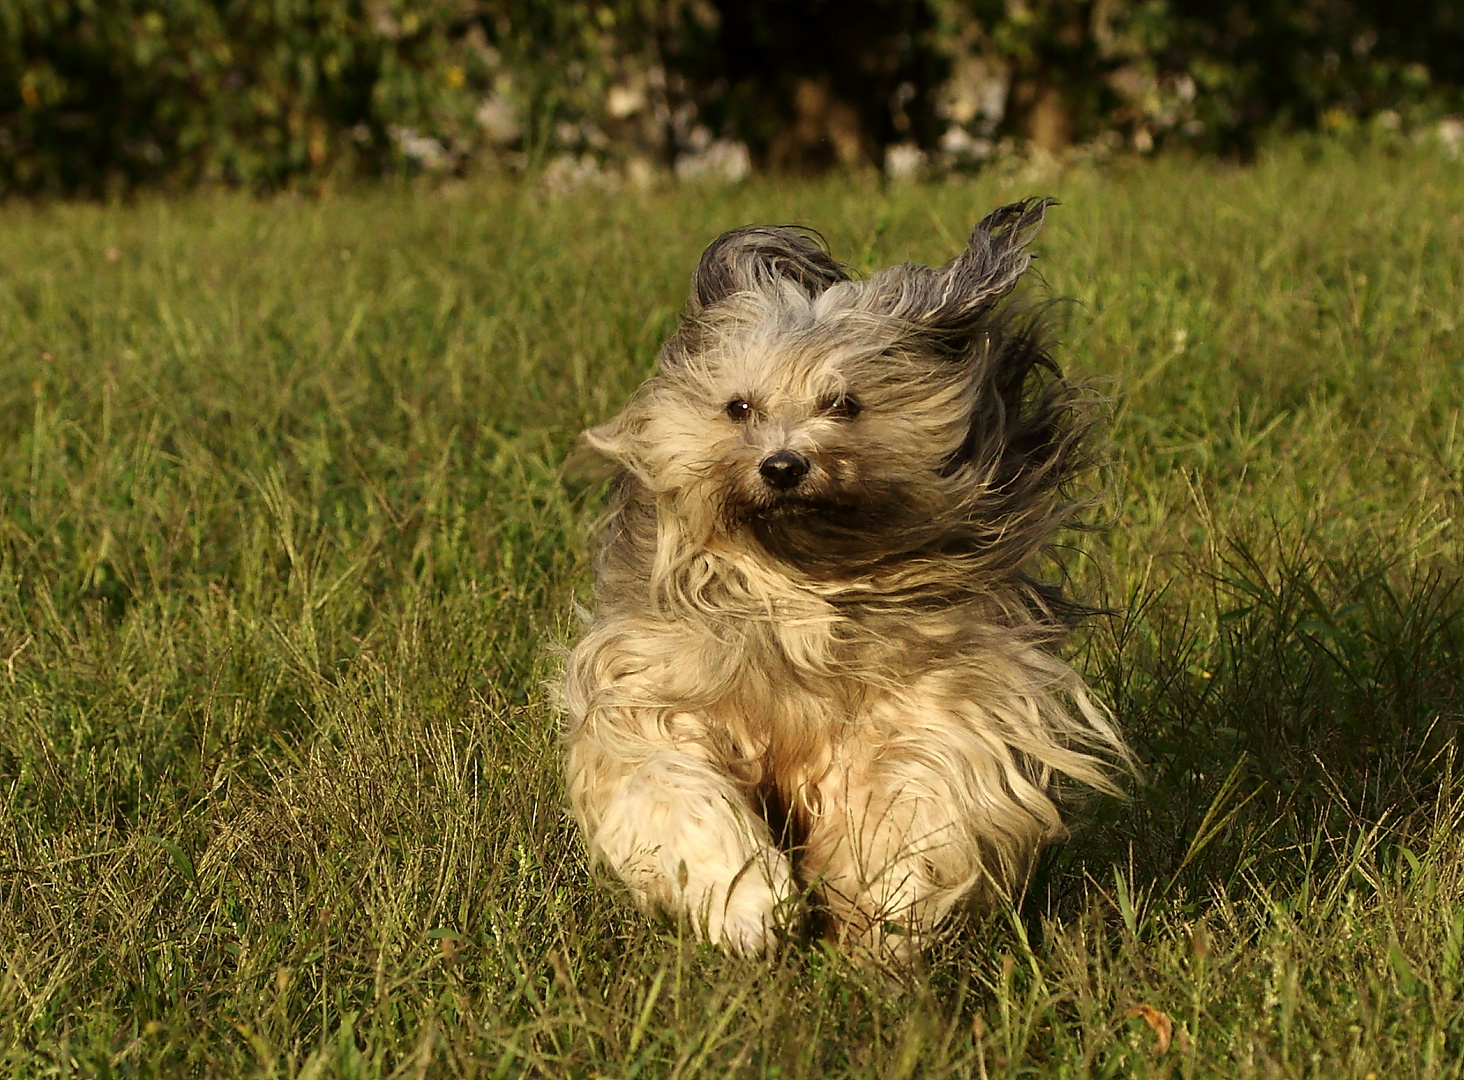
753 909
750 934
748 930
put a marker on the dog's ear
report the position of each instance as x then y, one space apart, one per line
597 455
996 256
950 302
757 257
612 443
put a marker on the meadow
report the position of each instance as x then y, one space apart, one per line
286 552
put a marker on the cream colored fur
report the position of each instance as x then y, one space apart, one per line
857 652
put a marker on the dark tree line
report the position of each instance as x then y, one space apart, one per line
102 95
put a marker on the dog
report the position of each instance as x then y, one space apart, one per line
820 666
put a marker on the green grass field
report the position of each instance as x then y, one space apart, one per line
285 555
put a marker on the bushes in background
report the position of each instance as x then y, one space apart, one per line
100 96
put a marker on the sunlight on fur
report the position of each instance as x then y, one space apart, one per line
820 667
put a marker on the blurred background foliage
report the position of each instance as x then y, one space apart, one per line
100 96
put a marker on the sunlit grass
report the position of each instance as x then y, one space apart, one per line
284 554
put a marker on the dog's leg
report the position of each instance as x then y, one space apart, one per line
911 824
682 836
875 858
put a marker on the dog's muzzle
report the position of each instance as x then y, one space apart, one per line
784 470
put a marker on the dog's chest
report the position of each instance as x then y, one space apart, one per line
790 690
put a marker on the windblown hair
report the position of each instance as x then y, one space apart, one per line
820 661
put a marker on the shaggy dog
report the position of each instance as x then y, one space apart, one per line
818 664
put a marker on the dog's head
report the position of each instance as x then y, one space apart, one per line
838 422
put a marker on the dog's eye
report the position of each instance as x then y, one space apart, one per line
842 407
738 410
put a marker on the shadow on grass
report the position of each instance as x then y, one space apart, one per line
1294 697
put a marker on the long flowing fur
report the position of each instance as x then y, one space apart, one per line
844 686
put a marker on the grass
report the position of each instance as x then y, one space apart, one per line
284 554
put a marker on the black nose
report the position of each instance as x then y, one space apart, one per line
783 471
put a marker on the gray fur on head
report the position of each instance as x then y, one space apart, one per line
759 256
815 592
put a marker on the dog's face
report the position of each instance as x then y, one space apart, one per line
820 415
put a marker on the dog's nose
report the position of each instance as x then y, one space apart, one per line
784 470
